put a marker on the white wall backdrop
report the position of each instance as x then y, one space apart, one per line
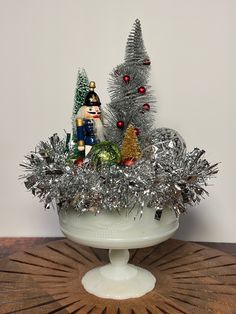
192 47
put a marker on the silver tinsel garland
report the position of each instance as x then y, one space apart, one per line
165 176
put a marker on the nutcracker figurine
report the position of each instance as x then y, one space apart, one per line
88 121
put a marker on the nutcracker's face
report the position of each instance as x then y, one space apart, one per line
92 112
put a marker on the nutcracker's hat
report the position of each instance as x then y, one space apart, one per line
92 98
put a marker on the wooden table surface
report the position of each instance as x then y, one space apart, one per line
38 277
9 246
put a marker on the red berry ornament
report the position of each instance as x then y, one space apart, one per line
137 131
120 124
126 78
146 107
129 162
79 162
142 90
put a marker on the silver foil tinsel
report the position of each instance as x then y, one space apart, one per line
165 176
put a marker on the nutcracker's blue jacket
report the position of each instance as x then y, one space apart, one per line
86 132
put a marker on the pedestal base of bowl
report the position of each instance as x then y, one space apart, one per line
118 280
118 233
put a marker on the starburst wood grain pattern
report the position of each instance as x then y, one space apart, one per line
190 279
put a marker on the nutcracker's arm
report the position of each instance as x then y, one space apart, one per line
80 133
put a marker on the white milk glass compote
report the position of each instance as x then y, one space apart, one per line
118 233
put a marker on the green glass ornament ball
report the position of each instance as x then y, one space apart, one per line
105 153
